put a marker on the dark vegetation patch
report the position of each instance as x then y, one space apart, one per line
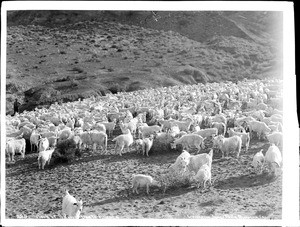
191 75
65 152
65 90
136 85
114 88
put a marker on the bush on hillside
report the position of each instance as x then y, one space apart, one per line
115 88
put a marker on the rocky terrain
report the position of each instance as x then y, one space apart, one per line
66 55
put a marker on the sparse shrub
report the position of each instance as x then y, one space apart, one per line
136 52
240 61
203 52
94 58
13 88
163 145
134 86
167 83
212 72
200 76
247 63
255 67
115 88
65 152
78 69
157 63
74 84
173 179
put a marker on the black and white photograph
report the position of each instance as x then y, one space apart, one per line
145 112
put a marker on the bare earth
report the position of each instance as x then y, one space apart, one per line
104 181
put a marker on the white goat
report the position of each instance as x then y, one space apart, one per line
196 161
273 158
244 136
258 161
71 207
43 144
34 139
44 157
181 162
207 132
189 140
147 145
141 180
15 145
220 126
124 140
226 145
275 138
148 130
203 175
110 126
52 141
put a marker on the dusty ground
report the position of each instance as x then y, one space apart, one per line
103 182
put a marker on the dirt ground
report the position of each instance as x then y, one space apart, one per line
103 183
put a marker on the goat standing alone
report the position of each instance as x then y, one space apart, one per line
71 207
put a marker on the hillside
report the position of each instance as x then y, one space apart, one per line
66 55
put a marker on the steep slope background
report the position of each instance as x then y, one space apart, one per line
65 55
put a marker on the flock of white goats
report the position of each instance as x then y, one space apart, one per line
227 114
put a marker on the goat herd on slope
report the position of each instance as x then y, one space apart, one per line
226 114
